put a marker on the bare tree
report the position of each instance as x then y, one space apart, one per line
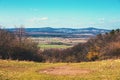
20 34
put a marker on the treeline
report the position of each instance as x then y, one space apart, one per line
106 46
103 46
74 54
17 46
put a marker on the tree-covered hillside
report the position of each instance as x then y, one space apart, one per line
103 46
17 46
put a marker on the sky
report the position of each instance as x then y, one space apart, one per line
60 13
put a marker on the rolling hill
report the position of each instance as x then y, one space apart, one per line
63 32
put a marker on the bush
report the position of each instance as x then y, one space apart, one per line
17 47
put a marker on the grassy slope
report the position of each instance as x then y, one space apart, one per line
21 70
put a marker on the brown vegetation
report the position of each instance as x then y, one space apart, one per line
103 46
17 46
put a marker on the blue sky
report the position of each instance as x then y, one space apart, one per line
60 13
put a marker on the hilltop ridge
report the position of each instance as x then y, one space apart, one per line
63 32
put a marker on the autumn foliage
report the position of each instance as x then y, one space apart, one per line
17 46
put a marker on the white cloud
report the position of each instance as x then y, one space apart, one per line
44 18
36 19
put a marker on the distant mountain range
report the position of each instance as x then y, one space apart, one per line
63 32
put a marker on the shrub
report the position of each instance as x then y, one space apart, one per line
18 47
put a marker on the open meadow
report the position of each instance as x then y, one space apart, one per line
23 70
55 46
58 43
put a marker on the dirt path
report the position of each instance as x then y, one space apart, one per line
64 70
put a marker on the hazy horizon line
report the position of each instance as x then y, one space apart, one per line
60 27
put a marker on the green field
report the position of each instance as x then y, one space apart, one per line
22 70
47 42
49 46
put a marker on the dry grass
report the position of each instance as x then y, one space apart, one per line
22 70
65 70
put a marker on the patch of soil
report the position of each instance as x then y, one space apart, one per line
64 70
13 68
